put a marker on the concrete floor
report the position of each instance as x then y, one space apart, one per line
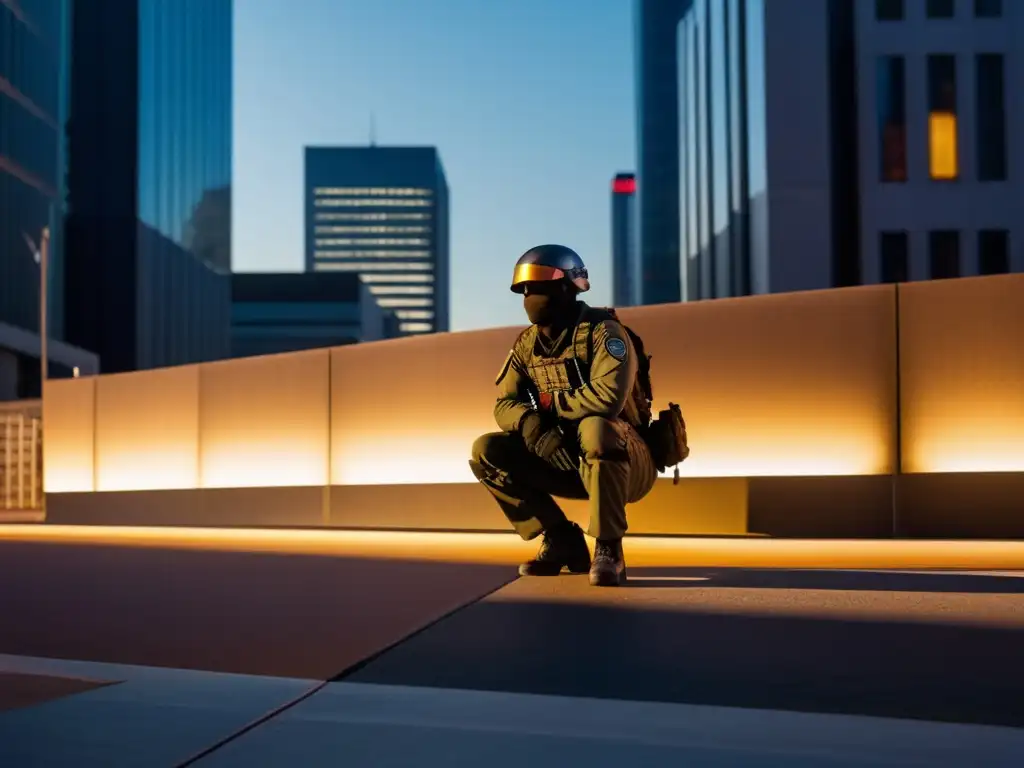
411 653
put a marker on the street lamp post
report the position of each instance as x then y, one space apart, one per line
44 263
41 256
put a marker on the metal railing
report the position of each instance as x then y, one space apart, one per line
21 457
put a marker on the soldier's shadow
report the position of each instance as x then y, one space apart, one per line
839 580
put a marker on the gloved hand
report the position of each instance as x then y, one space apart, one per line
546 442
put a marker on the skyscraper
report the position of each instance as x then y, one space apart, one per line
847 179
767 170
34 61
383 212
625 253
148 230
657 137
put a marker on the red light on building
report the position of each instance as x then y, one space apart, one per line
624 185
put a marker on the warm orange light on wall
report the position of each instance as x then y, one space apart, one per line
783 385
962 374
147 430
265 421
943 158
68 435
792 385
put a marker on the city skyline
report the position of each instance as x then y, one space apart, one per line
525 165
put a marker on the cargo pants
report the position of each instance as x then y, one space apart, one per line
615 469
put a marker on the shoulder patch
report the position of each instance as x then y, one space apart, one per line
615 347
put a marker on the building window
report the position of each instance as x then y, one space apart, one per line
988 9
943 159
944 253
940 9
993 252
990 118
892 118
889 10
894 248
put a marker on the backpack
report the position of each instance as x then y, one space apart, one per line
666 435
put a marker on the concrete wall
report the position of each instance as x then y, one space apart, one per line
802 409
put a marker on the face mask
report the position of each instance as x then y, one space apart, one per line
540 309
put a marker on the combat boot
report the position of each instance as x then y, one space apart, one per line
563 547
609 568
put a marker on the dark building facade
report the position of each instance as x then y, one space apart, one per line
148 243
657 137
768 172
626 283
289 312
382 212
34 70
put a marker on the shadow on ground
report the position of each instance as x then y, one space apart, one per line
910 654
846 580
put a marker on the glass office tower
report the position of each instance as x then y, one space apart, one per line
657 138
149 227
34 57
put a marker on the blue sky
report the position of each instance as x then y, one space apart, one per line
529 102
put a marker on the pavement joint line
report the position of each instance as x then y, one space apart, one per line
339 677
356 666
265 717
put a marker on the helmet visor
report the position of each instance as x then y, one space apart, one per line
534 273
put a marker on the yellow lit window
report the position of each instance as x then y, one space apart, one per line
942 157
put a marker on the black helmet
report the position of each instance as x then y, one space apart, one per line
550 262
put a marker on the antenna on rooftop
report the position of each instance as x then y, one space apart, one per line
373 131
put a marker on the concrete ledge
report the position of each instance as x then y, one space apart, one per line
694 507
701 506
858 507
819 507
296 507
958 505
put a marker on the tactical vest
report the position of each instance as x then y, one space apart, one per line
569 369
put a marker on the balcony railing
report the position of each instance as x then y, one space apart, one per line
21 457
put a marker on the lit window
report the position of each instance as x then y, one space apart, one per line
943 158
366 191
409 278
415 327
372 242
402 290
378 230
375 216
404 302
942 139
370 254
336 202
371 266
414 314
